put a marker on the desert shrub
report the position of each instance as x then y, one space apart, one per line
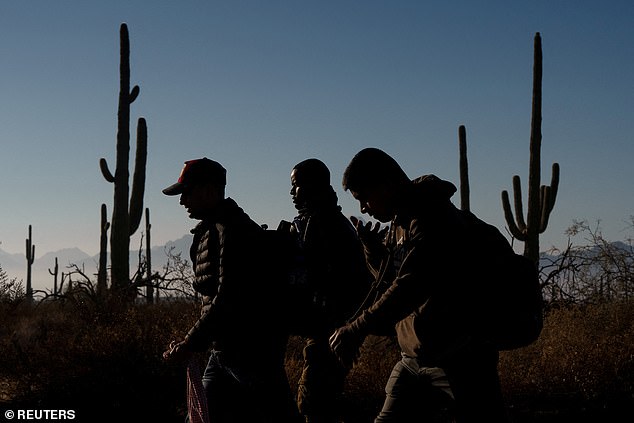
11 289
107 362
101 366
585 355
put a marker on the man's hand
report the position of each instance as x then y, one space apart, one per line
178 351
346 343
368 234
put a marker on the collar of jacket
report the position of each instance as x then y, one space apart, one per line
226 208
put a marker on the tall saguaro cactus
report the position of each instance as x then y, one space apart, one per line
30 258
127 208
541 199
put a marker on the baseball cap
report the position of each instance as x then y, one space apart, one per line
198 171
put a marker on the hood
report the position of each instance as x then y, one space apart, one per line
431 187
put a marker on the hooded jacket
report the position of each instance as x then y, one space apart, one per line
429 299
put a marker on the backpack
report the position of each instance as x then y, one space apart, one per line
515 305
509 293
287 280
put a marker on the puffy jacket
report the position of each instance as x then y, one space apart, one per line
429 300
226 257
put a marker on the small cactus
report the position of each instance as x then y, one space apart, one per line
148 252
54 273
103 251
30 258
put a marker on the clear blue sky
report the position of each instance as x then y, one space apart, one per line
262 85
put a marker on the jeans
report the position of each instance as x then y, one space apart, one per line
247 390
415 393
467 390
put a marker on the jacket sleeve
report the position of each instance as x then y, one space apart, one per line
411 287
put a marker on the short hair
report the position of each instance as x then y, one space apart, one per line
313 172
371 167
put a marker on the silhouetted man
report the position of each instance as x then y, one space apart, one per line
245 379
337 279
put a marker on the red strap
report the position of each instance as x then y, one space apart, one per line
196 398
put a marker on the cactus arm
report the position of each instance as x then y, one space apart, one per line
103 165
519 207
56 267
545 194
134 94
508 215
554 186
30 248
548 196
138 179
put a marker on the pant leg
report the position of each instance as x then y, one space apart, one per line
415 393
475 382
275 398
226 391
321 384
248 389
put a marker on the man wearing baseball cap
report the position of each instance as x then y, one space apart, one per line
245 379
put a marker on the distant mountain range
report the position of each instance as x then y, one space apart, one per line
15 264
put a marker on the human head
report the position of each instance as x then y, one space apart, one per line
196 172
201 185
310 181
375 179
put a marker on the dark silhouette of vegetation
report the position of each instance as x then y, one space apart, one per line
595 272
77 350
11 289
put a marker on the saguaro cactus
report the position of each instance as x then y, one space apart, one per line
54 273
464 168
127 208
30 258
149 294
541 199
103 251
